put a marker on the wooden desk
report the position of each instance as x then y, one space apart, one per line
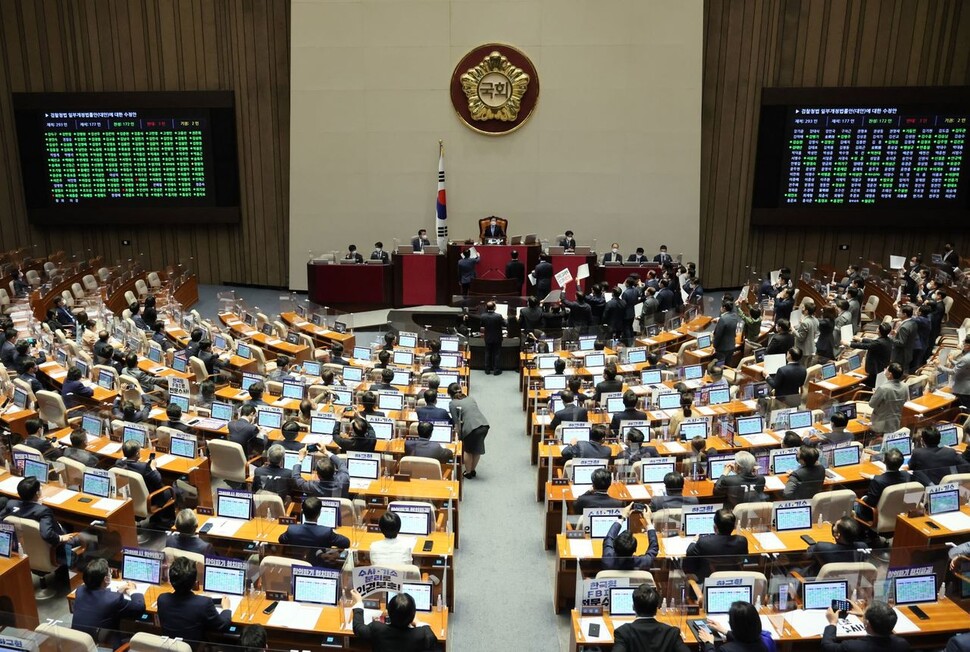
614 275
319 333
16 419
926 407
276 346
353 287
56 374
420 279
917 538
16 592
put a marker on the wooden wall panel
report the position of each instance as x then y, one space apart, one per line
804 43
161 45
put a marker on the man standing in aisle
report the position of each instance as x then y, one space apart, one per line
726 333
514 269
466 270
492 325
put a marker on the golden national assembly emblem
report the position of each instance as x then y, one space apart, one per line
494 89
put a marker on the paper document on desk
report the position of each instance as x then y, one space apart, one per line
638 492
273 342
915 407
774 483
827 385
703 410
580 548
295 615
225 527
107 504
110 448
675 447
946 396
579 489
584 624
118 585
903 624
657 488
164 459
833 476
207 423
813 622
60 497
769 541
9 485
751 404
676 546
953 521
760 439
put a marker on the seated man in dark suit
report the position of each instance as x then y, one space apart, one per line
597 496
808 479
126 411
674 497
594 448
420 241
847 534
610 382
272 476
96 608
332 481
838 435
646 633
28 374
494 231
174 414
73 390
311 535
740 482
183 614
353 254
28 507
368 405
213 363
629 413
789 379
567 241
244 431
721 545
131 450
362 438
399 633
613 255
638 258
879 619
290 431
186 535
158 336
387 375
77 451
424 447
147 381
932 462
514 269
569 413
619 548
35 439
430 410
893 459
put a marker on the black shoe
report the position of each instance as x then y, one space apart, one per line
469 474
488 372
498 372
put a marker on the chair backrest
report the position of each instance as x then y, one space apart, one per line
665 520
759 580
261 319
635 577
861 575
420 467
227 460
280 329
90 283
104 274
154 280
871 303
77 291
33 277
260 358
274 387
275 573
198 369
73 473
4 298
66 639
268 505
145 642
833 505
50 408
39 552
31 399
141 287
137 490
892 503
753 515
163 436
130 297
962 479
172 554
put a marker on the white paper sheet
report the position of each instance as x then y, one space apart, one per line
827 385
705 411
954 521
658 488
676 546
60 497
578 490
9 485
845 333
295 615
164 459
225 526
107 504
760 439
108 449
604 636
582 272
769 541
638 492
812 622
675 447
532 279
582 548
774 483
903 624
897 262
774 361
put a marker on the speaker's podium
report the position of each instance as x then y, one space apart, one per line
420 278
490 271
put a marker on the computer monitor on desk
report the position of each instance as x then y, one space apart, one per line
784 460
819 595
315 585
655 473
792 515
718 598
583 473
915 589
143 566
575 432
416 520
96 483
621 602
224 576
943 501
234 504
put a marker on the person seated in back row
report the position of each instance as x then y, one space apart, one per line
598 495
674 490
619 548
186 535
594 448
723 546
424 447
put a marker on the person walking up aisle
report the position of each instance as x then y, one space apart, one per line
472 428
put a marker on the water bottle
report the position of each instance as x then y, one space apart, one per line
942 593
441 603
663 606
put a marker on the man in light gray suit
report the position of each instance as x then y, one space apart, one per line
959 366
807 332
473 428
844 318
888 400
904 338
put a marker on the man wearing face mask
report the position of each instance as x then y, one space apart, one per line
494 231
380 254
614 255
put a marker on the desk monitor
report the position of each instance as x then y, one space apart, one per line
352 374
315 586
416 520
668 400
155 354
655 473
106 379
135 433
651 377
82 366
383 427
390 401
621 602
36 469
243 351
614 403
311 367
441 432
402 357
703 341
800 419
691 429
915 589
322 424
248 379
339 326
846 456
793 518
184 446
402 378
636 355
718 599
915 391
342 397
292 458
92 424
179 400
653 330
692 372
546 361
234 504
446 378
329 512
6 543
363 468
716 464
407 340
750 425
902 443
144 566
698 523
317 319
755 391
248 318
450 360
828 371
554 383
293 390
597 359
948 434
221 411
361 353
180 363
819 595
587 342
96 484
555 403
599 524
271 418
719 396
449 344
219 342
848 409
224 577
626 426
577 431
583 473
60 356
784 460
943 502
854 362
420 592
674 323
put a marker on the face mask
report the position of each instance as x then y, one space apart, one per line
378 250
493 224
615 250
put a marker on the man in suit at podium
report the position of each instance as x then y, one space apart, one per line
638 258
493 231
515 269
466 270
613 255
353 254
420 241
380 254
663 257
568 241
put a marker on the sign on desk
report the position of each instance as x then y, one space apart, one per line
370 579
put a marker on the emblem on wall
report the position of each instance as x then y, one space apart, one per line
494 89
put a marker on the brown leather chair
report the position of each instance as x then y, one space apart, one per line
500 221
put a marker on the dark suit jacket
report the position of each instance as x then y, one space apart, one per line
737 489
103 609
466 269
568 243
614 314
39 444
639 562
494 231
339 487
788 380
35 385
631 296
610 257
824 552
726 332
245 434
607 387
864 644
191 543
425 448
515 269
82 456
382 256
153 479
629 414
571 412
492 324
190 616
50 529
779 343
804 482
879 353
432 413
418 243
712 545
647 635
929 465
71 389
882 482
543 274
363 444
597 500
387 638
587 449
580 314
671 502
312 535
272 478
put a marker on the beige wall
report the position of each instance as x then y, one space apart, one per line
612 150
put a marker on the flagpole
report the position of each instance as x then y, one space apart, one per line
441 208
